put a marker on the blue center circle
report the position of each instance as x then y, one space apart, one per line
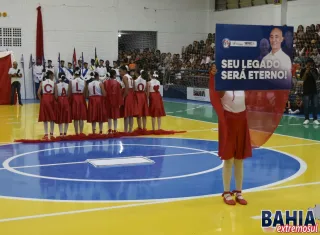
181 168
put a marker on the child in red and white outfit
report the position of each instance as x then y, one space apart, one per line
47 104
156 107
113 101
96 109
129 101
234 141
63 111
140 87
77 88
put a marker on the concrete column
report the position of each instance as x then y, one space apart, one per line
284 7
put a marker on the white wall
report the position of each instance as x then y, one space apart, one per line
87 24
259 15
303 12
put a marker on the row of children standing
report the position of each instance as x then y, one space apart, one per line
109 100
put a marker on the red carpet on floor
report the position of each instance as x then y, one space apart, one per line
84 137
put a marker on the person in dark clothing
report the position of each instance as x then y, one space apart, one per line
309 76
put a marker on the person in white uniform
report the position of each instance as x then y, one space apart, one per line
102 71
15 76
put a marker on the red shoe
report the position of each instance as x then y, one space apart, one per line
239 198
45 137
227 198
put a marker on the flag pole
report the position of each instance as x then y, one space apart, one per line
24 77
34 84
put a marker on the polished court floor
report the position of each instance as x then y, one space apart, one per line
51 188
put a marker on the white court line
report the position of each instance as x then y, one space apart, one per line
292 145
8 143
295 137
128 206
70 163
44 165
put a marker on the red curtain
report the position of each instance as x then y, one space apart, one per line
39 39
5 88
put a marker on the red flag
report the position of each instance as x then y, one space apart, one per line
39 36
264 112
74 59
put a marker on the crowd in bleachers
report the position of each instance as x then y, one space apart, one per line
190 68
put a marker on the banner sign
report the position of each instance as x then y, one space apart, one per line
252 57
200 94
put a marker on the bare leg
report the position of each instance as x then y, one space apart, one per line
130 124
227 173
153 123
144 122
45 125
66 125
76 126
81 122
100 127
139 122
109 124
126 123
93 127
51 128
159 123
115 124
61 129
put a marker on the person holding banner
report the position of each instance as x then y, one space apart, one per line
15 76
234 140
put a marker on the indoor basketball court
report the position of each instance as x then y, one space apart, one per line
173 185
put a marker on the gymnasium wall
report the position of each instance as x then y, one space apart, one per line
299 12
260 15
303 12
87 24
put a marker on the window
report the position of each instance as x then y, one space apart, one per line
10 37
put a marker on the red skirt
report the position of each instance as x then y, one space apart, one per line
96 109
142 104
238 143
47 108
63 110
130 107
113 112
156 108
78 107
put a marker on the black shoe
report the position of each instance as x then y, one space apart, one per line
20 104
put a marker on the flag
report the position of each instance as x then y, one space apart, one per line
96 56
74 59
82 60
30 62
